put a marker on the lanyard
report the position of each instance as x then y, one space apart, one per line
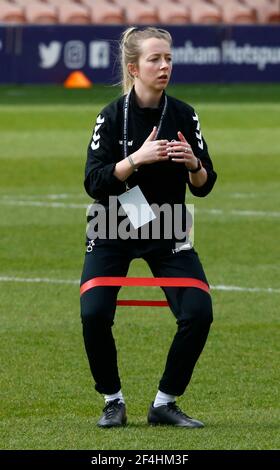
125 122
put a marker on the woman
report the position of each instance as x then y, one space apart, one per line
151 143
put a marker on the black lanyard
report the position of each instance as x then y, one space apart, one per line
125 123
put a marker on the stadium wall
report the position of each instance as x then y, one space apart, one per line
205 54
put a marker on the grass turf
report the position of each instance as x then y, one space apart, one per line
48 397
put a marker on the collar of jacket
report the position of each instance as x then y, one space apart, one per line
136 108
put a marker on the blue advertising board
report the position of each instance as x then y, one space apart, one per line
209 54
6 55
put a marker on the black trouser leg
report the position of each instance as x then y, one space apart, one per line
189 340
98 307
97 320
192 308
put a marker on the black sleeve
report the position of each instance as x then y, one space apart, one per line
200 150
100 181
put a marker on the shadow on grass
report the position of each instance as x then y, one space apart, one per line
226 426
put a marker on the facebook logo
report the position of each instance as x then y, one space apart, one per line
99 54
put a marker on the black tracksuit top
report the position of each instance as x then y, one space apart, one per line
160 182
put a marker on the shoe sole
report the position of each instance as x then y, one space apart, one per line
176 425
112 425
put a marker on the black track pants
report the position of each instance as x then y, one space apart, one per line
191 306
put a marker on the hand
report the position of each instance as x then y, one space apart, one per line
151 151
181 152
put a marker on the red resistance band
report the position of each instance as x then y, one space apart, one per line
144 282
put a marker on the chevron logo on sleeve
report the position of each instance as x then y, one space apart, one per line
96 135
198 133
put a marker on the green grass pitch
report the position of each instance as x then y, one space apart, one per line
46 389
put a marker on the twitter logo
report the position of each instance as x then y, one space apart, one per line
49 55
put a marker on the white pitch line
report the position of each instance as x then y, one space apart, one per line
59 205
242 213
46 280
65 205
27 197
39 196
244 195
37 280
268 290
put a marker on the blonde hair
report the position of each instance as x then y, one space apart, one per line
130 49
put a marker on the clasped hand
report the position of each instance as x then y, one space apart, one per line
178 151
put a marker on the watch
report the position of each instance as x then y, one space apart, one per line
199 166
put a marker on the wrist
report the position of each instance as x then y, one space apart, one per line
132 162
197 168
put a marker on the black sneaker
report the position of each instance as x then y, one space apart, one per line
114 414
172 415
